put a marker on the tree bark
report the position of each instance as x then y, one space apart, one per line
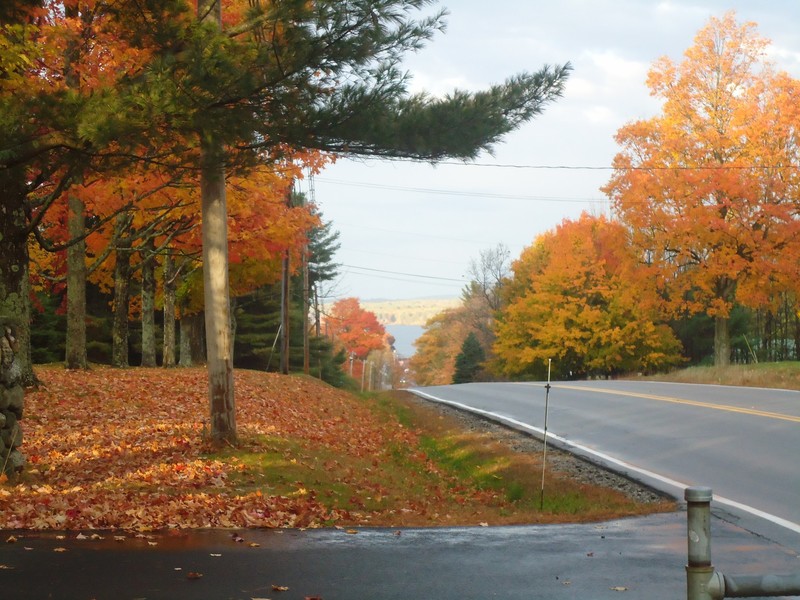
148 307
306 307
14 283
184 343
168 350
191 340
197 339
722 342
216 294
75 354
215 271
75 351
119 331
285 289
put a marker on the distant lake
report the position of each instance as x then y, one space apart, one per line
404 337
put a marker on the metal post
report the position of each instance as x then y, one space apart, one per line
752 586
544 449
702 582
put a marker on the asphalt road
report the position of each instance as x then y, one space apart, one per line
744 443
632 559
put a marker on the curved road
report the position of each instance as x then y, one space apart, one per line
742 442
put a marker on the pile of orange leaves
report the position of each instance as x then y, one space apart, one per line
126 449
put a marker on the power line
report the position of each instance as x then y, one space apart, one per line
389 278
404 274
445 192
416 233
584 167
405 257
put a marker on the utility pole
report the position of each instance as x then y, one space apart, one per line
285 299
306 307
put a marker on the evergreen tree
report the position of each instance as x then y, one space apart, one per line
257 322
469 361
323 243
47 329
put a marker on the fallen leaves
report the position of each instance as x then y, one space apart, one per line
123 449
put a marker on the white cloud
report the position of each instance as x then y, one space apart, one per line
785 59
599 114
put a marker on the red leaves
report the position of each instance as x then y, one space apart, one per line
357 329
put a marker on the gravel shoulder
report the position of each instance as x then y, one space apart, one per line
579 468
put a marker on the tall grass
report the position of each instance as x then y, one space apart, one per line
781 375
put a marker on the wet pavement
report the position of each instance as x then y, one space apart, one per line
623 559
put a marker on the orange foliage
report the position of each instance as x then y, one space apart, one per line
356 329
572 300
709 188
434 362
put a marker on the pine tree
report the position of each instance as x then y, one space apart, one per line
323 243
469 361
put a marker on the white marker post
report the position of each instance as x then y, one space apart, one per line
544 451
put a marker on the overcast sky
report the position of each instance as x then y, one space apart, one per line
410 230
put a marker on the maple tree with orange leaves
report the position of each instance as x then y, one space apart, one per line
574 298
708 189
355 329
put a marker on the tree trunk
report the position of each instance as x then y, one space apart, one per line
215 271
75 355
119 332
185 343
722 342
317 320
233 329
216 294
148 307
796 330
169 312
285 289
14 284
197 339
305 301
191 341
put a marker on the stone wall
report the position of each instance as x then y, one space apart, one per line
11 402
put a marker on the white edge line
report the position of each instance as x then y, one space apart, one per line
610 459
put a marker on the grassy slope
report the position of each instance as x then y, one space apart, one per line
124 449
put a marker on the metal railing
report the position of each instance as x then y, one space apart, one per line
703 582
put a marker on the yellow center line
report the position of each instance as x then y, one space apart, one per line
734 409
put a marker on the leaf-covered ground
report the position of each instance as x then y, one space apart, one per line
125 449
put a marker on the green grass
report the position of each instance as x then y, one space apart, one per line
451 477
459 457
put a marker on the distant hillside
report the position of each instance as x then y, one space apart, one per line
409 312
